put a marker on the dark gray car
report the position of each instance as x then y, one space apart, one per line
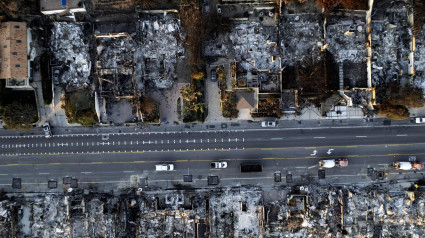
213 76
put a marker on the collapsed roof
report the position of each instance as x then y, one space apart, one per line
252 44
160 47
69 46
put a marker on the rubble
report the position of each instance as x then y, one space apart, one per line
160 48
254 46
391 41
69 46
236 212
346 39
379 210
115 54
308 30
420 60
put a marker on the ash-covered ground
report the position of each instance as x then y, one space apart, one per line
380 210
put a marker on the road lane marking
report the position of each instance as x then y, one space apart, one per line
276 138
361 136
402 135
128 171
43 173
319 137
86 172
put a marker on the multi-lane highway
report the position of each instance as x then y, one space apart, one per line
117 158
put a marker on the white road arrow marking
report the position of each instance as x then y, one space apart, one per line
329 151
314 152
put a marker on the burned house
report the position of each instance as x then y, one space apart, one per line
391 42
160 49
257 71
380 210
70 50
117 85
66 8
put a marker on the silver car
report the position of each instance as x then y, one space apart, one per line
268 124
164 167
47 131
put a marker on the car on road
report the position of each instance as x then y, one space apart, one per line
47 130
420 120
268 124
164 167
330 163
408 165
218 165
248 168
213 76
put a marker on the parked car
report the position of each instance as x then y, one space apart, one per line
164 167
213 76
56 76
420 120
47 130
268 124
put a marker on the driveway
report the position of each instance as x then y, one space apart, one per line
167 100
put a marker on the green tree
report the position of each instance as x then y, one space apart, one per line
19 115
198 75
270 107
192 98
228 108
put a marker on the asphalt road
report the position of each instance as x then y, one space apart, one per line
126 159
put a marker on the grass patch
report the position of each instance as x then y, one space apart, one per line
79 108
228 106
18 108
150 110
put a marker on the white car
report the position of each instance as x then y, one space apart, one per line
218 165
420 120
268 124
47 131
164 167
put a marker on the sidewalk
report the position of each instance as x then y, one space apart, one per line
217 126
53 113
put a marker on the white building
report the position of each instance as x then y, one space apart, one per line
53 7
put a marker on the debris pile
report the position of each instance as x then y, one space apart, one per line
69 46
237 212
382 210
346 38
391 40
160 47
5 218
307 29
115 56
251 44
420 60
